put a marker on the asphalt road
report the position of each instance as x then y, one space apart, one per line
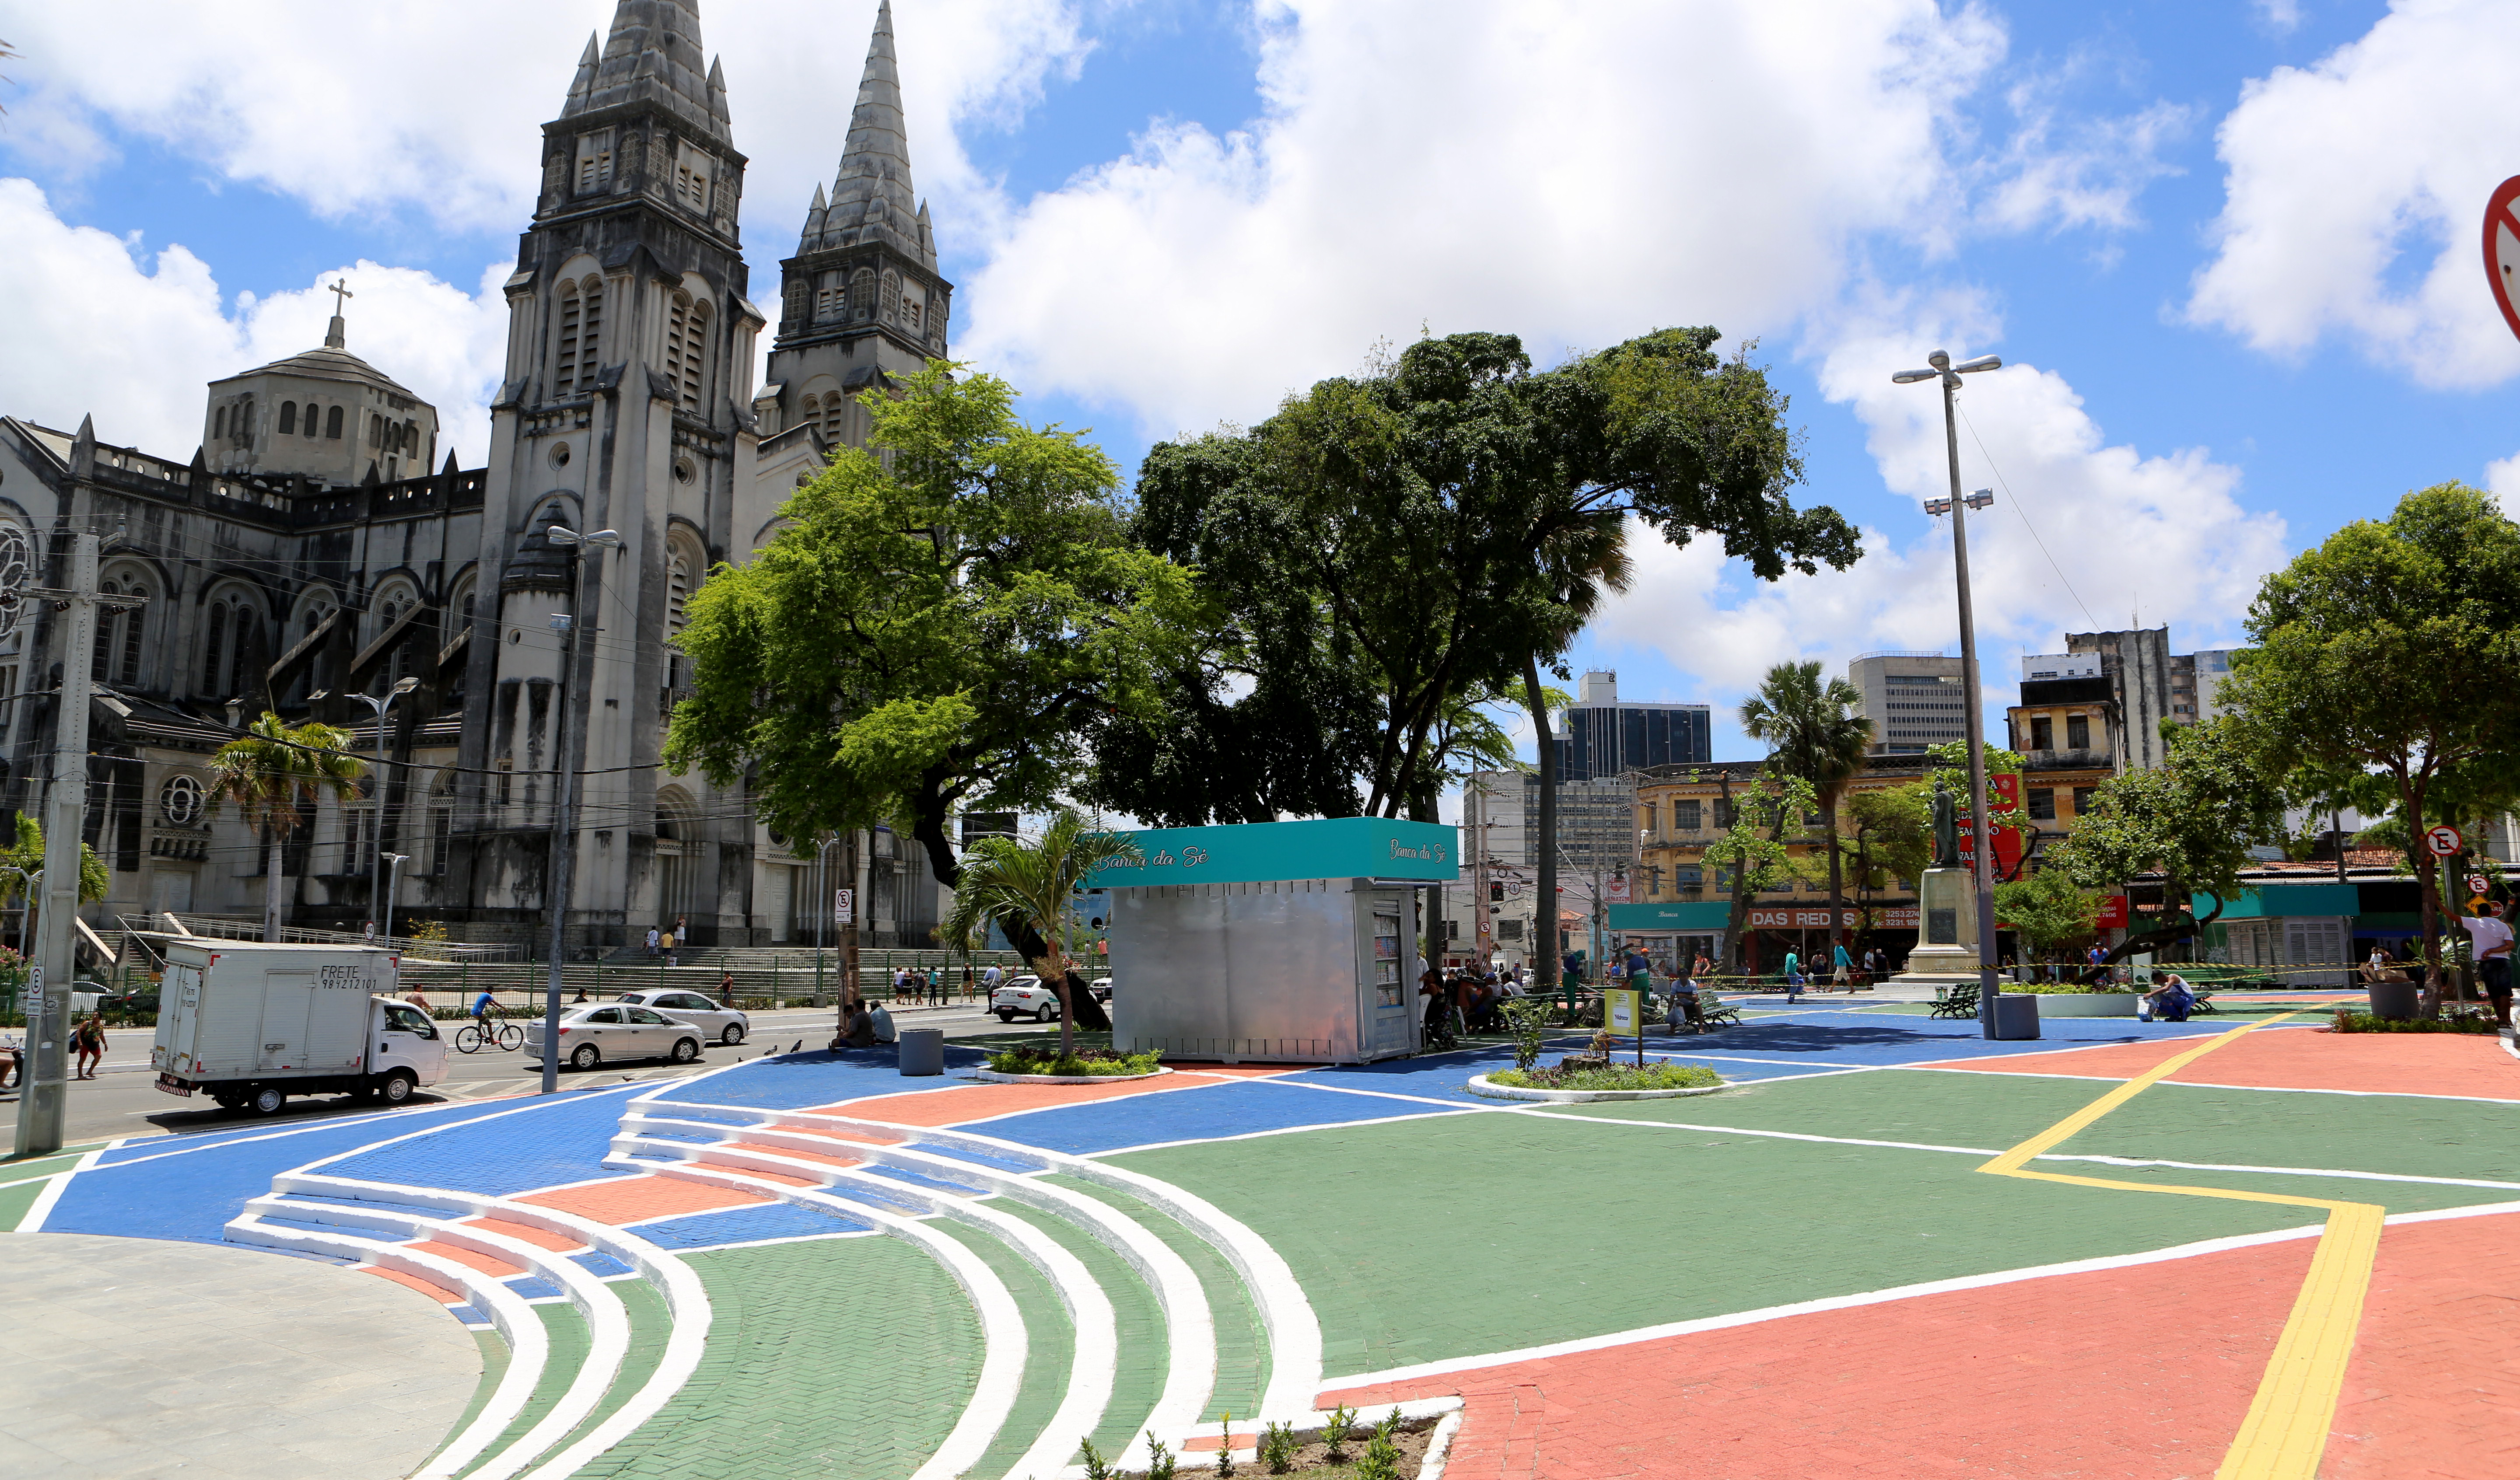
124 1101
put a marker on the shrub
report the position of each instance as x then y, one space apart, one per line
1159 1460
1026 1059
1527 1019
1225 1451
1278 1447
1659 1075
2349 1020
1096 1466
1382 1457
1335 1434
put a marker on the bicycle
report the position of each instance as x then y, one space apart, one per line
474 1037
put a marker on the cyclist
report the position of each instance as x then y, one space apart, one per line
483 1006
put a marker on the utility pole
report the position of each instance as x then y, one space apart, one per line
1981 805
563 842
1482 936
42 1103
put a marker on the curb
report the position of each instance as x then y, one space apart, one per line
1481 1085
994 1076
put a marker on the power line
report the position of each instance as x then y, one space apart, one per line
2025 518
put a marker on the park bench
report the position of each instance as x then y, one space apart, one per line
1959 1000
1715 1012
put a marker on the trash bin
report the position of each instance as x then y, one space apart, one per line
923 1051
2393 999
2016 1015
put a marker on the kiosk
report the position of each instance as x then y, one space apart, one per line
1286 942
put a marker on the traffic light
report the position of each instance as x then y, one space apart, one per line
1495 890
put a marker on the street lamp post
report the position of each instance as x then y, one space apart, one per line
393 876
1944 371
563 843
376 884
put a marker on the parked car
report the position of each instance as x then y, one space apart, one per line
1024 996
723 1024
601 1033
1102 989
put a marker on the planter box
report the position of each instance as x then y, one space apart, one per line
994 1076
1481 1085
2083 1004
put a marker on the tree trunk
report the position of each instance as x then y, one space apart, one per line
1546 845
2428 892
271 889
1030 944
1056 962
1836 898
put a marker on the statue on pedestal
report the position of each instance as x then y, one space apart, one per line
1947 831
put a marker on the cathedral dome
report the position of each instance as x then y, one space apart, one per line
331 363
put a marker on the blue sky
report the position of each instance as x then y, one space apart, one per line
2229 248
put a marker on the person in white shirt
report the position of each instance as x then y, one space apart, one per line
882 1024
2491 940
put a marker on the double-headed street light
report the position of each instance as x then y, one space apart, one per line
1956 507
563 842
376 884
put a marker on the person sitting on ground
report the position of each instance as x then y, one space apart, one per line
857 1027
881 1022
2172 1000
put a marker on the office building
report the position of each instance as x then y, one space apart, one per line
1604 737
1913 699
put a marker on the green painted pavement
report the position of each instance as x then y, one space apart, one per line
1935 1108
1050 1347
651 1324
2356 1133
848 1357
1429 1239
1144 1352
494 1368
569 1341
15 1201
1242 1340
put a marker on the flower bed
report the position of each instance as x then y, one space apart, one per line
2349 1020
1661 1080
1084 1066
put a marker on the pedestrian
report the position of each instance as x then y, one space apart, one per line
90 1039
726 989
651 942
2490 939
668 946
966 981
1430 986
417 998
1793 974
1844 972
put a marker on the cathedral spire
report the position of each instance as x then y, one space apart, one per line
872 200
654 53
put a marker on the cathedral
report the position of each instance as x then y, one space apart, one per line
315 556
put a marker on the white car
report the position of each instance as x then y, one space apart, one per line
1024 996
724 1024
613 1032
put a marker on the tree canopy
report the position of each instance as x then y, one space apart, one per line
945 619
1389 543
2193 819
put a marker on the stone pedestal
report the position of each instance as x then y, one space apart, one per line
1947 931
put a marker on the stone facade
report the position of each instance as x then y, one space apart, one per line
305 555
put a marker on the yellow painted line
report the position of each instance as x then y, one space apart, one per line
2285 1431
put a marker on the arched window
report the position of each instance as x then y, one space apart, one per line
410 439
835 406
862 294
311 408
831 300
119 632
333 425
107 620
245 422
891 297
376 431
214 651
219 422
287 417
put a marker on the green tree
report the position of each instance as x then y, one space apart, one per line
1813 732
1754 851
269 773
1890 832
2387 651
2193 819
1438 525
1027 887
946 617
23 863
2048 910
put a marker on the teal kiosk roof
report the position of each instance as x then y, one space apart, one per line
1250 853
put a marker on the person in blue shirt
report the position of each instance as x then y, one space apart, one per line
481 1006
1845 968
1793 976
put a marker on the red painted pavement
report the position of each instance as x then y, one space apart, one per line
2435 1385
2473 1065
2142 1372
988 1101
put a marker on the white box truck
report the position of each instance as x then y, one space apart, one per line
249 1024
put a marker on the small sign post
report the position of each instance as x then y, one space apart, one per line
1623 1012
2444 840
842 902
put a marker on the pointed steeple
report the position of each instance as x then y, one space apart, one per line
654 53
813 217
872 200
582 85
717 89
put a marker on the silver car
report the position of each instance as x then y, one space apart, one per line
723 1024
615 1032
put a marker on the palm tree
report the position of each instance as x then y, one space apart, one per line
1018 883
1813 733
271 770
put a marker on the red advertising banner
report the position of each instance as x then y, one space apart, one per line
2113 912
2008 841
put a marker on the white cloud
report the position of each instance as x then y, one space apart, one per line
2354 193
2503 480
373 109
1568 175
2281 16
2108 536
2064 170
92 323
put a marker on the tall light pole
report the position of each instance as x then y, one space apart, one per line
1957 506
377 883
564 841
394 876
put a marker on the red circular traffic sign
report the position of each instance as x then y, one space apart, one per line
2444 840
2502 250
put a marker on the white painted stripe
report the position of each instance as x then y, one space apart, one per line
1421 1369
763 1243
2191 1084
42 1207
1301 1130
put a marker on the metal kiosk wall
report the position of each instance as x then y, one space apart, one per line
1274 942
